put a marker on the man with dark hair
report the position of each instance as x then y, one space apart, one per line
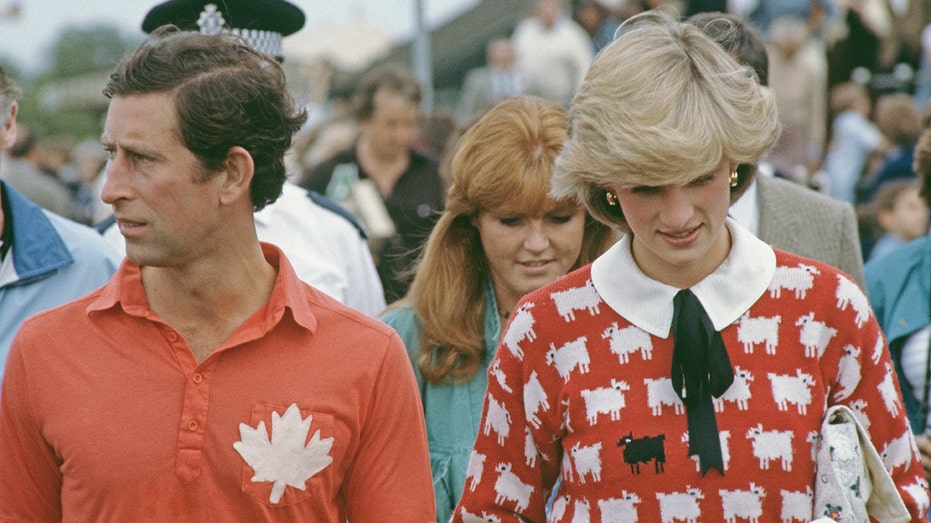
401 192
784 214
205 381
45 260
326 245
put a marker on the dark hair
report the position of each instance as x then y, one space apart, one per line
395 79
738 37
226 94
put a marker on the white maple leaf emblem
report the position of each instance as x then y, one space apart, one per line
285 460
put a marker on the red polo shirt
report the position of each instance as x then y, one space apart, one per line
309 412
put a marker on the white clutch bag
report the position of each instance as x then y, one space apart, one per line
851 483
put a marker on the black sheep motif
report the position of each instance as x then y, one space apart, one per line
643 450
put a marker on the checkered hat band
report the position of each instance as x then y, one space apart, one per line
268 42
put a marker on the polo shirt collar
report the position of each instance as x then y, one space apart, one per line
725 294
289 293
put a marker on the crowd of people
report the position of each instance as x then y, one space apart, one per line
653 260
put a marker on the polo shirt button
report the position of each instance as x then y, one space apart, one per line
197 378
172 336
192 425
903 322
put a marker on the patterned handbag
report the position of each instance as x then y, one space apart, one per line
851 483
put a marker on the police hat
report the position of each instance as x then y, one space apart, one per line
262 23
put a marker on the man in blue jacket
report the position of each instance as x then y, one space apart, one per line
45 260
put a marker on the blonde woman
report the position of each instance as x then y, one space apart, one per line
684 374
500 237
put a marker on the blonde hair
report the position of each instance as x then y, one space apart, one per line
504 161
662 104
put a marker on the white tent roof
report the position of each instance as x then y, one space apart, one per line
348 47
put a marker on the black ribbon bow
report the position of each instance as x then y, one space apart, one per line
699 356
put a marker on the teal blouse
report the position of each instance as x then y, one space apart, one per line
453 412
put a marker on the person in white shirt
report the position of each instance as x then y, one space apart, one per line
552 51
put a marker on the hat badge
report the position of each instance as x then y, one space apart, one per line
211 21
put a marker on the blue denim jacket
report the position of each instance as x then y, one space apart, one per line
453 412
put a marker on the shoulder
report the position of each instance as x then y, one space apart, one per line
901 261
85 244
421 161
580 277
404 320
338 210
325 169
790 197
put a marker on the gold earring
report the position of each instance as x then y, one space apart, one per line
734 179
611 198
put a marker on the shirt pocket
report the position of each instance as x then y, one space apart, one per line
287 454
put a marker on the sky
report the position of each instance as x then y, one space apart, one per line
26 40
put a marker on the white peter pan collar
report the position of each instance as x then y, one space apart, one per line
725 294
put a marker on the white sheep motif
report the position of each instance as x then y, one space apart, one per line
500 376
581 511
680 505
814 335
753 331
534 400
587 460
772 445
849 293
605 400
724 436
898 452
521 328
738 392
628 340
559 508
474 470
799 279
858 407
619 510
509 487
889 391
571 355
848 373
878 349
498 419
743 504
575 299
919 492
792 389
796 505
659 393
468 517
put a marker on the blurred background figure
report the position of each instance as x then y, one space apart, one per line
395 190
899 121
854 139
24 172
798 78
855 36
87 171
484 87
899 215
500 237
552 51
